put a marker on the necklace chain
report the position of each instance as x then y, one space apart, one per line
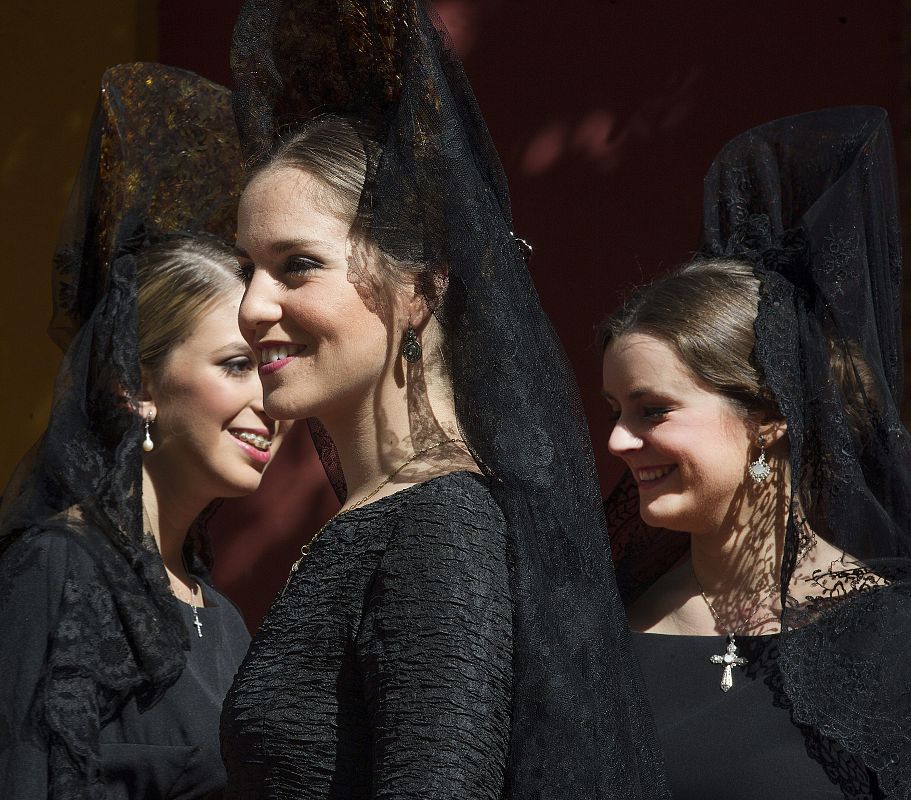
196 622
305 549
801 555
746 624
196 589
730 658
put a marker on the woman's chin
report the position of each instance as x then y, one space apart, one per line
659 514
279 406
240 485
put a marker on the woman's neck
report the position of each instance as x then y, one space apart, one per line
391 427
170 511
737 564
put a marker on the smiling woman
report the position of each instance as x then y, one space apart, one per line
200 394
322 350
764 532
124 650
454 632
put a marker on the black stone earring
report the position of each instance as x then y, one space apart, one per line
411 347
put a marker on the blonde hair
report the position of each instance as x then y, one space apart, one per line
179 281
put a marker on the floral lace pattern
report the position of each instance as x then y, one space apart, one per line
811 202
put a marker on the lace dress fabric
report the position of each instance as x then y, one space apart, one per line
742 744
53 588
384 669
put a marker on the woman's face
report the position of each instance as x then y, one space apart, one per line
210 430
321 352
686 446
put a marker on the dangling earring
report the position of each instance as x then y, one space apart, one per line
411 347
148 445
759 469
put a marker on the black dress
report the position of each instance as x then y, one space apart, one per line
741 744
170 750
384 669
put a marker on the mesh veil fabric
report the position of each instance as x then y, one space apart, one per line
810 201
162 158
436 194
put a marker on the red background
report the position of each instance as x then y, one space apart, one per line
606 114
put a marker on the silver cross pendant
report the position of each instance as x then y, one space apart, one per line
730 659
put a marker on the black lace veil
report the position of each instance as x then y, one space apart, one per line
162 158
436 195
810 202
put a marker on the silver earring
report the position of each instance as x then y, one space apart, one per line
759 469
148 445
411 347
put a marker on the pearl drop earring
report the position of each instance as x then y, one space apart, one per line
148 445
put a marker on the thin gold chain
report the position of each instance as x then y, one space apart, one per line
305 549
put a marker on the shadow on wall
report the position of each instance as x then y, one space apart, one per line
51 65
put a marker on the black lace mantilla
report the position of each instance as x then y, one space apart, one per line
72 515
811 202
436 195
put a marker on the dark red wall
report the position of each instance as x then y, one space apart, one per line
606 114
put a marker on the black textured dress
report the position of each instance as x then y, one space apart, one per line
169 750
741 744
384 670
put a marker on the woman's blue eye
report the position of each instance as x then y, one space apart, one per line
655 412
237 366
298 265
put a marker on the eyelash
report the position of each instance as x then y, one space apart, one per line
244 273
300 265
296 265
236 367
649 412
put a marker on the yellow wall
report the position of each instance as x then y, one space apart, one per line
51 63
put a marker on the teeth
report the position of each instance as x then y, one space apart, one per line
259 442
653 474
269 354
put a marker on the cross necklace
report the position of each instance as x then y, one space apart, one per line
730 659
196 621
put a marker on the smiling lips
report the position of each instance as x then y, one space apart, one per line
255 445
650 475
274 356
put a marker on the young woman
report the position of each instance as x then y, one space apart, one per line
754 395
453 632
117 651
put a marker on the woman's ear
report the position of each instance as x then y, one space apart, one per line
774 430
427 295
146 397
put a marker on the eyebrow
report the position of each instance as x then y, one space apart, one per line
635 394
284 246
234 347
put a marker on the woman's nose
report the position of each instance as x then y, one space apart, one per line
622 440
260 306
